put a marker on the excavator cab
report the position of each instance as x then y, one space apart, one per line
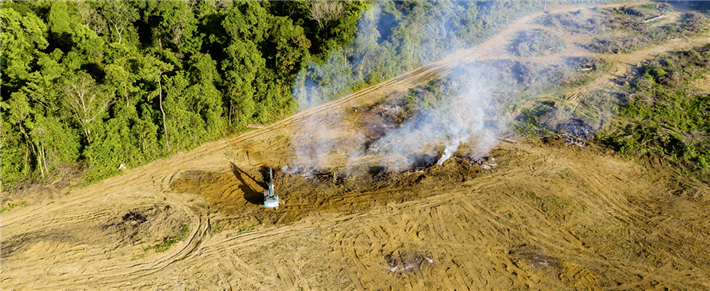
270 199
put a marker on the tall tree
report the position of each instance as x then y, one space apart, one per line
291 48
325 12
153 70
14 163
87 101
119 15
122 72
17 111
247 24
21 37
91 17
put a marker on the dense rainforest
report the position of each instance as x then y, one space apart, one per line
97 84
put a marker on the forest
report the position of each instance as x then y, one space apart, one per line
93 85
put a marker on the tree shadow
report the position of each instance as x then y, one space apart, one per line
254 196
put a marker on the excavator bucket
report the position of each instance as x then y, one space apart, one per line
270 199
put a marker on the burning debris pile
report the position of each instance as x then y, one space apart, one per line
429 124
426 165
378 119
361 178
409 130
405 135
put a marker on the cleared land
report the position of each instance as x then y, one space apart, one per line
550 215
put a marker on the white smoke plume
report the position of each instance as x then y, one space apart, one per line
464 118
316 137
468 118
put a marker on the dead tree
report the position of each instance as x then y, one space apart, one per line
162 111
325 12
119 15
86 100
91 17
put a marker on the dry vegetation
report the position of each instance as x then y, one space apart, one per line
537 42
635 24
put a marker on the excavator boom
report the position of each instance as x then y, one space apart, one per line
270 198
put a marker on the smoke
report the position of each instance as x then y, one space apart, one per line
320 134
469 118
454 122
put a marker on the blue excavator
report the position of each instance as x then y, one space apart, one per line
270 199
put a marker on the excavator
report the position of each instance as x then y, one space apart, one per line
270 199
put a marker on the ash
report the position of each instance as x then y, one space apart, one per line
404 262
313 174
577 132
486 163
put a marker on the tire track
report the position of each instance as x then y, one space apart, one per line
465 230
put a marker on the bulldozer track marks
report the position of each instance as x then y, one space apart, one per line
493 232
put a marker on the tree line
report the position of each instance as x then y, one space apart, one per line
104 83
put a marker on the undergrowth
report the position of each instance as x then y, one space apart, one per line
665 116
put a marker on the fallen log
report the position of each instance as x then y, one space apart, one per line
506 140
652 19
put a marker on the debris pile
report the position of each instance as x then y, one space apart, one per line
404 262
486 163
577 132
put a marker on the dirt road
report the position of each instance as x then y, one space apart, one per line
550 216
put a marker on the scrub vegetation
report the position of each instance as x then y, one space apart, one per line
638 29
537 42
666 114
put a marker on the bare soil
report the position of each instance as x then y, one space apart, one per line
540 215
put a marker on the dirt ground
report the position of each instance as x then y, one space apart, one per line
543 215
